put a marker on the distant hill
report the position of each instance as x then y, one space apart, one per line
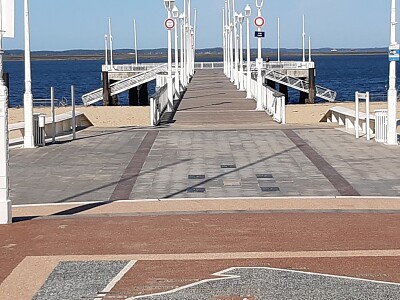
18 54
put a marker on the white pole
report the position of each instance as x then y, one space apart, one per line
135 38
186 42
367 108
259 63
106 49
223 39
304 39
248 96
231 71
73 112
392 92
182 68
235 33
194 37
279 40
357 121
241 78
53 115
190 37
177 86
28 97
309 49
5 202
169 79
111 43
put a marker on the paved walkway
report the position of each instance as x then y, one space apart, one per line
220 188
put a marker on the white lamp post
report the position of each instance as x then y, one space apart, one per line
279 40
135 40
241 78
111 43
247 13
259 5
182 25
106 49
169 5
28 97
5 202
304 39
230 42
236 18
224 39
392 92
175 15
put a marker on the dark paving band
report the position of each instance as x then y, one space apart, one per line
337 180
125 185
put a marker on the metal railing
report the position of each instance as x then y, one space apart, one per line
124 85
47 102
272 101
159 103
381 121
208 65
130 67
300 85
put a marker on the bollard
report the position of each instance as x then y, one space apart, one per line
73 112
53 116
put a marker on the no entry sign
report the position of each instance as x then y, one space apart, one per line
259 21
169 23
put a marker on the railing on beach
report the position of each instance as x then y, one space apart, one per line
47 102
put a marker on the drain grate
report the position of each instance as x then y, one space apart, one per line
196 190
197 177
270 189
264 176
228 166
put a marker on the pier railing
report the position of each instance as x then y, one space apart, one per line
130 67
272 101
159 103
208 65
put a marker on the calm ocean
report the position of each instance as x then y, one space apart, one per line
344 74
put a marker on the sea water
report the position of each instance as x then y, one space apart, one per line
344 74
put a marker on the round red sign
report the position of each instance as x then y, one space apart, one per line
259 21
170 23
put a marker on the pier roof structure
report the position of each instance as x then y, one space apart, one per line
218 191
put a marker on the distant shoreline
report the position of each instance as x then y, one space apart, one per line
199 56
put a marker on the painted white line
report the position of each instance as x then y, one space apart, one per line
117 278
226 276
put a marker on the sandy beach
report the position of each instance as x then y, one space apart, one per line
122 116
99 116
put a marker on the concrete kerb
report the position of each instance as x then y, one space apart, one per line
216 205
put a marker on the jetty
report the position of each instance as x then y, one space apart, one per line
217 197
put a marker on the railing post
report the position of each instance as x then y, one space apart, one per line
152 112
73 112
53 117
357 117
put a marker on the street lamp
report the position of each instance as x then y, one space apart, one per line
392 92
247 13
169 5
241 83
236 50
259 5
182 20
106 49
5 202
28 97
175 15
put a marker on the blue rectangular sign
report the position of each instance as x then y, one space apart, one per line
394 54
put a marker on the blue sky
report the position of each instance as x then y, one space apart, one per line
81 24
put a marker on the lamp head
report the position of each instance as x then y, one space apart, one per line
259 3
181 17
247 11
175 12
240 18
169 4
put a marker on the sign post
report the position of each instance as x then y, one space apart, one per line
259 21
6 30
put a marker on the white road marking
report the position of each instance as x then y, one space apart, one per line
117 278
